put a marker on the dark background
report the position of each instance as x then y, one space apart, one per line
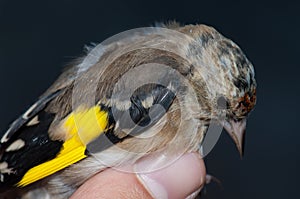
37 38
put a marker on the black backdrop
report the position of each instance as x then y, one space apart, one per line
37 38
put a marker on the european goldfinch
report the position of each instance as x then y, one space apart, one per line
137 93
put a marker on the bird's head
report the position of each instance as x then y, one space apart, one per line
239 89
228 74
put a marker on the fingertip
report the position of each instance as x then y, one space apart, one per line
178 180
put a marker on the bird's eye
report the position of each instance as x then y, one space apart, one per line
222 103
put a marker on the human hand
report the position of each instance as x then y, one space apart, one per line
178 180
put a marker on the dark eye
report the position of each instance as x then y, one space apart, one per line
222 103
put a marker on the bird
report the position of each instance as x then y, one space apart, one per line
137 93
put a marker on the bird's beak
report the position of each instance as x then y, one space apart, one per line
236 130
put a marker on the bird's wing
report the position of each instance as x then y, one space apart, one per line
27 116
29 153
26 143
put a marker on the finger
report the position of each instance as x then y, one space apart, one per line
178 180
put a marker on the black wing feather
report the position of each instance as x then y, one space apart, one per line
136 119
28 115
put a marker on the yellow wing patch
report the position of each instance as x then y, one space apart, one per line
81 126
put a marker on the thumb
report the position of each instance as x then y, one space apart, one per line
178 180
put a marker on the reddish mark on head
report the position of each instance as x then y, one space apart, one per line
248 101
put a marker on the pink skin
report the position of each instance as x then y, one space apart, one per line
179 180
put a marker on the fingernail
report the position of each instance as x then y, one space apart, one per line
194 195
177 180
156 189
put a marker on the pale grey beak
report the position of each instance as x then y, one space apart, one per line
236 130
